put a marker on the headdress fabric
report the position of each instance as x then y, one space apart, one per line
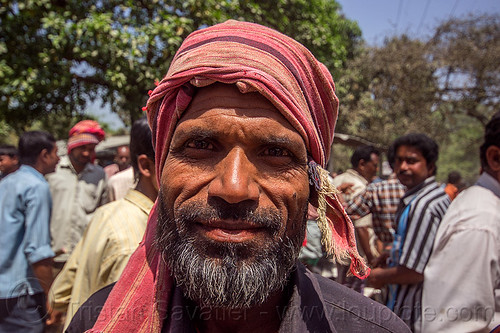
255 59
85 132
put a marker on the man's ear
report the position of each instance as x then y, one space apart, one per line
431 169
44 154
361 163
42 160
145 165
493 158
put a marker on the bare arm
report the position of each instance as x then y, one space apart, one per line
43 272
364 240
394 275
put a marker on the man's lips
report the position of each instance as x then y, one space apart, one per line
230 231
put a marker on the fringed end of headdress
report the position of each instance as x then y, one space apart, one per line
337 230
324 188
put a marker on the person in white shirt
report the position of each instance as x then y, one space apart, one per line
462 279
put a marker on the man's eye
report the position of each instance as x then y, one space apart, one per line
199 144
277 152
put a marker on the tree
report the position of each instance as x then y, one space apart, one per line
460 150
6 134
57 55
391 91
467 56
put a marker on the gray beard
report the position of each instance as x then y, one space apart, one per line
227 275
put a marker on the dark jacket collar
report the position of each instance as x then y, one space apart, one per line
305 311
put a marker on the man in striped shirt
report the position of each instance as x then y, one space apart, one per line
418 216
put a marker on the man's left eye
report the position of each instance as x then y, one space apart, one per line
277 152
199 144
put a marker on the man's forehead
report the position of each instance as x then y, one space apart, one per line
408 149
222 97
123 150
86 146
409 152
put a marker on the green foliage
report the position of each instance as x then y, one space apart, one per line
59 125
7 135
341 158
29 84
460 151
57 55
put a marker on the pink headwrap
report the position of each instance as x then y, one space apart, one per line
85 132
255 59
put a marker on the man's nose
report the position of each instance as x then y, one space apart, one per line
235 179
403 166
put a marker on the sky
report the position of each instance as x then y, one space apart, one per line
379 19
105 115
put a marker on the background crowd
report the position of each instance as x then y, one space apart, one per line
434 264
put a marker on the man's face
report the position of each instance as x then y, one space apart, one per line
8 164
371 167
411 166
52 160
122 157
82 155
233 198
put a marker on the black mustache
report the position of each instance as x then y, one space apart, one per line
221 210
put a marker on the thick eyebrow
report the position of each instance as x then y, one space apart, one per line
274 140
197 131
200 132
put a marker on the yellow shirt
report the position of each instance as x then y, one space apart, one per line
103 252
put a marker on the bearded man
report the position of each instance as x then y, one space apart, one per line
242 126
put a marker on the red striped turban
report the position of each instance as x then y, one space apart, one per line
85 132
255 59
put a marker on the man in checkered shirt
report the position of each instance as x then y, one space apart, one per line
381 200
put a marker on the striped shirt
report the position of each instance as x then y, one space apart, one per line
428 204
381 200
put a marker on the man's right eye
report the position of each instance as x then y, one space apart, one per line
199 144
